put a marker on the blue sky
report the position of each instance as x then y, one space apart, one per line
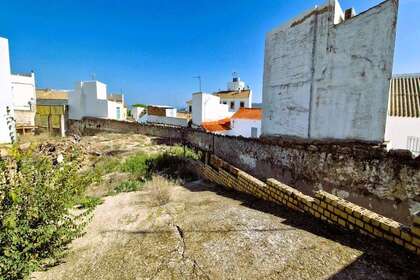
152 49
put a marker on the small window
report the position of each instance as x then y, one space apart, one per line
242 104
232 105
190 108
254 132
224 102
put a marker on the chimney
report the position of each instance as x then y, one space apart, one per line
349 13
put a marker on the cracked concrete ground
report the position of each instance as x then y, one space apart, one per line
206 232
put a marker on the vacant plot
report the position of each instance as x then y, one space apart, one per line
174 230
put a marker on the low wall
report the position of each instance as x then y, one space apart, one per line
368 175
322 205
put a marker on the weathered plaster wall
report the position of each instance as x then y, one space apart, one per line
327 79
386 182
7 125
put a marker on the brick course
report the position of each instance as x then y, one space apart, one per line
322 205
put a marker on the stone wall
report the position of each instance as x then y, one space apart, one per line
322 205
385 182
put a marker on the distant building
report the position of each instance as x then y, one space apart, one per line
208 108
246 122
236 96
24 100
52 110
90 99
403 121
327 73
7 122
165 115
137 112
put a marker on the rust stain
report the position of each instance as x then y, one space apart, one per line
314 12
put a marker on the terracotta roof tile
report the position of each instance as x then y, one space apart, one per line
248 114
217 126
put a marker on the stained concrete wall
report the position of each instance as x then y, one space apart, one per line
325 78
368 175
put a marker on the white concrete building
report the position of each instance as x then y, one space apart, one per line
90 99
24 99
208 108
327 73
246 122
403 121
161 114
137 112
237 95
7 123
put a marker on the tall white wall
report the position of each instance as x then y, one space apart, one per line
207 107
398 129
324 80
7 127
89 99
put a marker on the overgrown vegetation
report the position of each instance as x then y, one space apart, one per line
43 205
37 216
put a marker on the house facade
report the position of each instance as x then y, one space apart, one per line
90 99
403 121
24 99
246 122
164 115
237 95
7 122
327 74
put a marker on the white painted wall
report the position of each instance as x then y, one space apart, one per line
89 99
171 112
136 112
24 98
398 129
7 126
328 81
207 107
237 102
242 127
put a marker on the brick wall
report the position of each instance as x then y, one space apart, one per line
365 174
322 205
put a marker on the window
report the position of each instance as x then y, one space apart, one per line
224 102
242 104
118 113
232 105
190 108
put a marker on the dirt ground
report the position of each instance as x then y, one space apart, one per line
203 231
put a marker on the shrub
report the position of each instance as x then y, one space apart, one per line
159 190
36 221
128 186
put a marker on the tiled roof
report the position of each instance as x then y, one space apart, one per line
404 98
234 94
52 94
217 126
248 114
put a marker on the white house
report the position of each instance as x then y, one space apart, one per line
208 108
7 123
237 95
24 99
90 99
403 121
246 122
